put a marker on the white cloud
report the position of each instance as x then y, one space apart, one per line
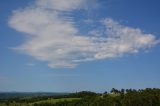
61 5
54 38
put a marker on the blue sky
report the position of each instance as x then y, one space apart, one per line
60 46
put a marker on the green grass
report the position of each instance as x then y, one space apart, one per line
49 100
53 101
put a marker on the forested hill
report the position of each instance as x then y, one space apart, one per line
123 97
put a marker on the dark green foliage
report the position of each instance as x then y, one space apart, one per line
128 97
83 94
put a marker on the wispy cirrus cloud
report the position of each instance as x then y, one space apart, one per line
54 38
61 5
30 64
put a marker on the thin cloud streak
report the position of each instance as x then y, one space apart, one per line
30 64
54 38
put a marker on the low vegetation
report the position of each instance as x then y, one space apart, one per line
128 97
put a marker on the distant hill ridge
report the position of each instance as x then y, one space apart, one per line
8 95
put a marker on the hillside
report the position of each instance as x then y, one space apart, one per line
128 97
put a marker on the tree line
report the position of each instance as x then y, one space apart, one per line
122 97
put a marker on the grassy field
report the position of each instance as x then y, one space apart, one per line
52 100
49 100
131 97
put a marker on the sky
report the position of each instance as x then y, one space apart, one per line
76 45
